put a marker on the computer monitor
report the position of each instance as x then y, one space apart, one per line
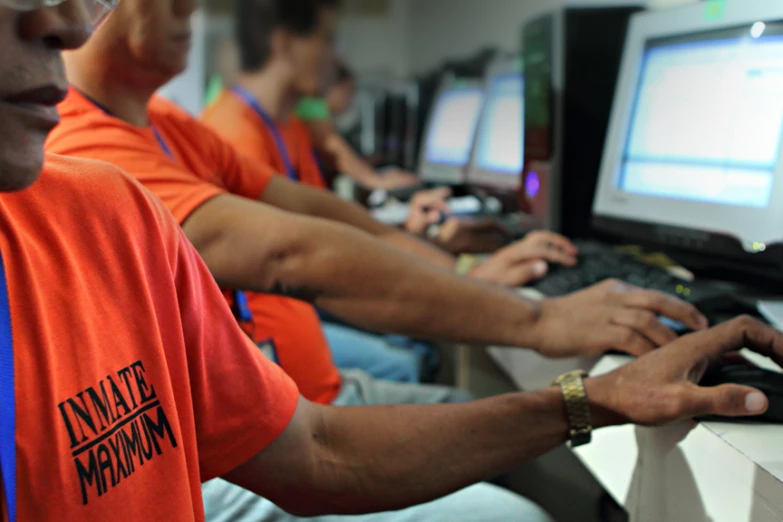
497 159
450 131
693 157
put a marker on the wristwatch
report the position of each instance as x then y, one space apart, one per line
577 407
465 263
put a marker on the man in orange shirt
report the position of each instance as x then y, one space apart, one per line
256 117
124 382
225 203
258 113
286 49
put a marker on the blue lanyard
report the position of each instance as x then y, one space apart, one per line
240 298
246 97
163 145
7 401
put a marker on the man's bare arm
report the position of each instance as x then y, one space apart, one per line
310 201
346 460
343 460
363 280
351 274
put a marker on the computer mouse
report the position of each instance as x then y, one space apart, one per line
768 382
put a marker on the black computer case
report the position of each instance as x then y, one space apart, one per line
572 58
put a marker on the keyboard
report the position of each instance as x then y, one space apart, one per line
599 261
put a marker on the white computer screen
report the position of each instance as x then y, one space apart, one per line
500 140
453 126
707 121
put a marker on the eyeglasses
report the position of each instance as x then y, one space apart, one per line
98 9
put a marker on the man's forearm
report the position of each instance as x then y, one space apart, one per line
349 163
374 459
353 275
374 285
420 248
320 204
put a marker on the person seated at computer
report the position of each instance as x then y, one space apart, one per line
286 52
283 89
102 294
189 165
111 113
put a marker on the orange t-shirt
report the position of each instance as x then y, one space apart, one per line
131 378
242 127
202 167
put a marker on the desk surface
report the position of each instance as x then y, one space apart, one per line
689 472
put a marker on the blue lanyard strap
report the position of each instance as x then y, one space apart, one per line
251 102
7 401
162 142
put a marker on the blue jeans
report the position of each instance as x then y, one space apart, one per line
225 502
377 355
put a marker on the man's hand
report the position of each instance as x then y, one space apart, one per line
395 178
610 315
661 387
427 208
472 235
526 260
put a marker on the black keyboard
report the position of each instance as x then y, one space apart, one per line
598 262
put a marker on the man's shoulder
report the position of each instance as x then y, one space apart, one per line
83 171
101 186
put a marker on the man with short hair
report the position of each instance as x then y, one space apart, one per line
124 381
286 51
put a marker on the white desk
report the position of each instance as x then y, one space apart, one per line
690 472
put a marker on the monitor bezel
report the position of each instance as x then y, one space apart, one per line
445 173
753 228
483 177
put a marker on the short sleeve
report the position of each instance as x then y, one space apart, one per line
243 175
198 147
242 401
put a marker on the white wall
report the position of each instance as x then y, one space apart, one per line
378 46
444 29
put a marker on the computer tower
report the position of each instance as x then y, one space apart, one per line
571 61
400 121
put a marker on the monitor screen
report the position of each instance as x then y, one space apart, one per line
453 126
707 121
696 134
500 143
